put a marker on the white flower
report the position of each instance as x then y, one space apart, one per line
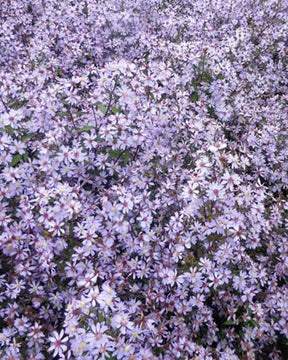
58 343
217 146
190 191
215 191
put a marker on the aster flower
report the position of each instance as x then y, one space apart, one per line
231 180
121 322
190 191
216 191
142 175
58 345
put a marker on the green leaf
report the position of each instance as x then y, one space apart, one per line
102 108
64 113
115 153
29 9
16 104
220 76
115 110
58 72
12 103
254 323
101 317
27 137
194 97
15 160
127 156
8 129
85 128
194 84
229 322
25 156
85 10
99 139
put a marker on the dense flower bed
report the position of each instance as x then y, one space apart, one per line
143 179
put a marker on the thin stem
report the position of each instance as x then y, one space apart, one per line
5 106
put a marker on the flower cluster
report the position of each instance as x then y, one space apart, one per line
143 179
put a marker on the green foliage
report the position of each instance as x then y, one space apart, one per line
83 129
101 107
16 159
